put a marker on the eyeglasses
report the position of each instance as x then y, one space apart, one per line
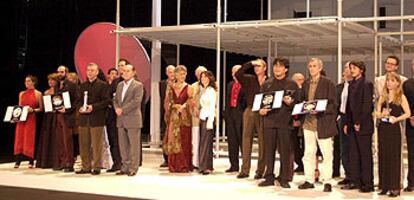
388 63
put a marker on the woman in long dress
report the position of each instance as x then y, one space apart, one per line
177 140
24 143
47 148
392 108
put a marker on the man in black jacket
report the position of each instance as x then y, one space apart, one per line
278 125
319 127
359 126
235 105
408 87
92 120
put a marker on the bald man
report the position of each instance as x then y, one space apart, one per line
233 114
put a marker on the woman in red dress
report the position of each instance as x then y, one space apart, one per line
177 140
25 131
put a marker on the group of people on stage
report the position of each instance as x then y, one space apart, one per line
341 133
104 109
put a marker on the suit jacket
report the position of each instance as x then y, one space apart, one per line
280 117
326 125
339 89
70 114
408 88
196 98
131 116
241 99
360 106
99 98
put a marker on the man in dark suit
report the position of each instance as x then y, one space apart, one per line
169 71
408 87
319 127
341 141
127 103
235 105
278 125
92 120
66 122
359 126
110 120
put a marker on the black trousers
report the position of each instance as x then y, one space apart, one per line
206 147
234 125
336 156
361 164
281 140
112 131
409 132
298 146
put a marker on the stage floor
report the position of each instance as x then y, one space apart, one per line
152 182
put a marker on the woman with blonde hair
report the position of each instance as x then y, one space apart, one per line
392 108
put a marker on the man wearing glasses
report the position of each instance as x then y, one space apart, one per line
391 65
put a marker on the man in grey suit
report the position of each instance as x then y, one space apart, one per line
127 101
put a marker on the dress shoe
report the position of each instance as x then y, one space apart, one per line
96 172
242 175
327 187
16 166
113 169
284 184
57 169
83 172
409 189
206 172
68 169
394 193
164 164
132 173
383 192
350 186
299 170
258 176
344 182
230 170
31 166
366 189
306 185
266 183
121 173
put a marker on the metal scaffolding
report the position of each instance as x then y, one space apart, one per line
288 37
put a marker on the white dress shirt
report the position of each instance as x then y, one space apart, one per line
344 98
125 88
208 105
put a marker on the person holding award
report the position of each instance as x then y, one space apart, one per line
319 127
359 127
24 143
96 98
66 119
392 108
278 125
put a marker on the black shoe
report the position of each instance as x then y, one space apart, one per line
164 164
383 192
68 169
58 169
96 172
132 173
327 187
299 170
394 193
230 170
258 176
284 184
205 172
242 175
266 183
113 170
350 186
366 189
83 172
409 189
344 182
306 185
121 173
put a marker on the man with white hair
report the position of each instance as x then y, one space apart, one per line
169 71
195 111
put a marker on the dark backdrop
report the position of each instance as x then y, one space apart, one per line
39 35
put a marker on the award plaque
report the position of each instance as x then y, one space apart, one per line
16 114
56 101
309 106
268 100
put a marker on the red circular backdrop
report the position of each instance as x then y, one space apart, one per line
97 43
